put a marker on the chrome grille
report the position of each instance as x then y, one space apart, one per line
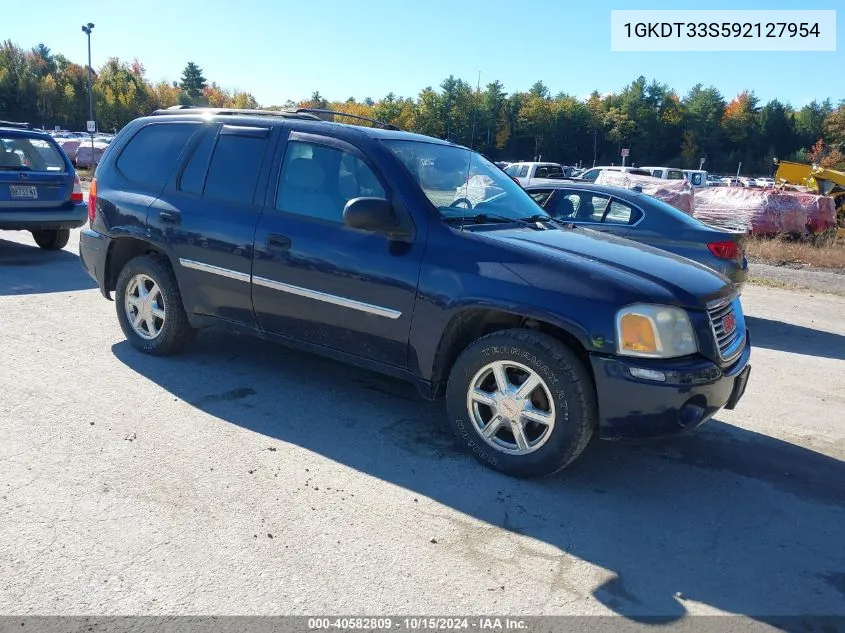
730 344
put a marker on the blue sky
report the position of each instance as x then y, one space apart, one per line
283 49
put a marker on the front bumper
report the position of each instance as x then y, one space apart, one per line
694 390
69 217
93 251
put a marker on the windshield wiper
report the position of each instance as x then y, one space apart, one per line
480 218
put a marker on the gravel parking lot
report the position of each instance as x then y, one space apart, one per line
242 477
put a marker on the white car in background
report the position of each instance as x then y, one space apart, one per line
591 174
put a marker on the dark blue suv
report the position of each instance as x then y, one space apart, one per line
418 258
39 188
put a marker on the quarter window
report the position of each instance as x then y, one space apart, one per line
152 153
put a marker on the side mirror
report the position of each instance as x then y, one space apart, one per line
370 214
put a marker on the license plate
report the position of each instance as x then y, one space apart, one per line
740 383
23 192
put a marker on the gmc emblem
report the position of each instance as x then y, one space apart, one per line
729 323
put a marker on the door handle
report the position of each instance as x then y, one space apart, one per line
278 241
169 218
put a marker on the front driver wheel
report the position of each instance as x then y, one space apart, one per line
522 403
52 240
149 307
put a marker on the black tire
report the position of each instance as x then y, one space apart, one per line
176 332
568 381
52 240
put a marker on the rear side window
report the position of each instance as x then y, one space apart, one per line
233 171
29 154
151 155
523 171
547 171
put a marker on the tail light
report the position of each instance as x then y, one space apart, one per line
76 195
724 250
92 200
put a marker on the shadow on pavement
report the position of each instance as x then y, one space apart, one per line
797 339
26 269
727 517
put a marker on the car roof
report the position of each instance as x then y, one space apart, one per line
301 119
23 132
619 192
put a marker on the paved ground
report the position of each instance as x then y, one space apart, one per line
245 478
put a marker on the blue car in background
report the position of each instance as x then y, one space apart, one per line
636 216
40 191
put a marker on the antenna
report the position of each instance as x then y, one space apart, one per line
474 110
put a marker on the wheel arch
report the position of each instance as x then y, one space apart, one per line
122 249
470 323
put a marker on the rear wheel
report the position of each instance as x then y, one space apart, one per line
522 403
149 307
52 240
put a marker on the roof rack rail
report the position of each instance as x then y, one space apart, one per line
234 112
382 124
23 126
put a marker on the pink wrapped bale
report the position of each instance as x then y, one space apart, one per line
84 153
765 211
821 211
677 193
69 146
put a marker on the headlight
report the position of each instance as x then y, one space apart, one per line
654 331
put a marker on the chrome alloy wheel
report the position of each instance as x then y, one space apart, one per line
511 407
144 305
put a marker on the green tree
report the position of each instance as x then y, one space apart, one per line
193 82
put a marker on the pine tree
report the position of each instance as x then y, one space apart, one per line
193 82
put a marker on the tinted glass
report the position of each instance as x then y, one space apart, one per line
151 155
193 176
317 181
233 171
619 213
566 206
540 196
696 180
580 206
675 174
523 171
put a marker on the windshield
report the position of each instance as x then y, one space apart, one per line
462 183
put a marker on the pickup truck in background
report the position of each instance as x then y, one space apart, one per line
526 173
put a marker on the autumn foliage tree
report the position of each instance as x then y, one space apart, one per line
654 122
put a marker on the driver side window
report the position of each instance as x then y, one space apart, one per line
317 181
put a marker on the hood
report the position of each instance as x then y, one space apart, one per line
690 283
